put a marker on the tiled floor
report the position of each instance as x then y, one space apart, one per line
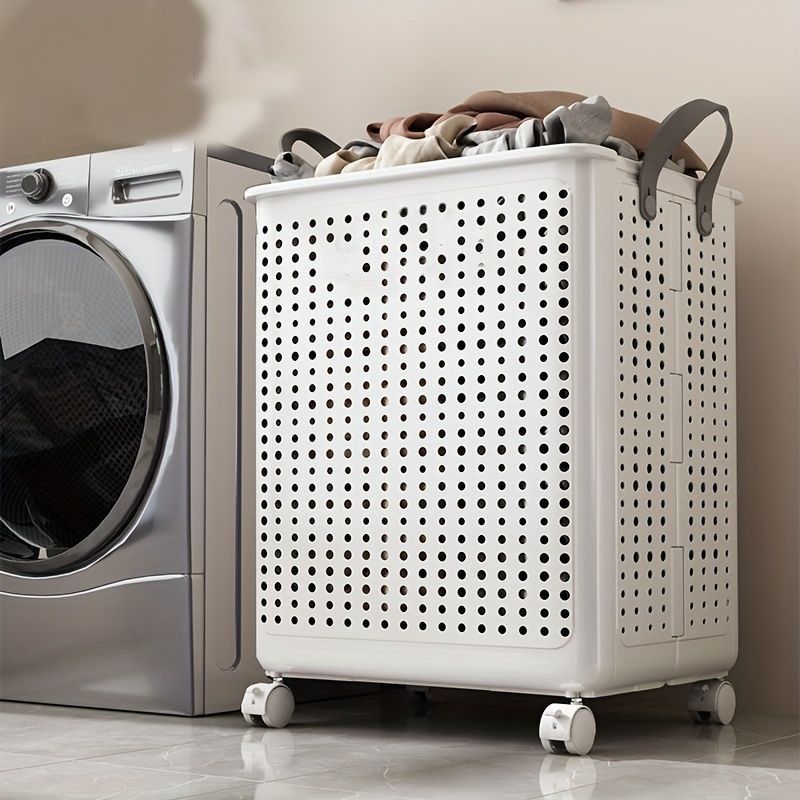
463 745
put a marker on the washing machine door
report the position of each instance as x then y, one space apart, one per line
82 396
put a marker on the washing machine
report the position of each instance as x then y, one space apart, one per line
126 441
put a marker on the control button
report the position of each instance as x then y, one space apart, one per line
37 185
66 200
11 208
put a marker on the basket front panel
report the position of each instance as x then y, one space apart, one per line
416 417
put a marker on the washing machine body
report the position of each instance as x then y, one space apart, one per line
126 441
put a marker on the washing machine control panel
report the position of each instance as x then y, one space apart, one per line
51 187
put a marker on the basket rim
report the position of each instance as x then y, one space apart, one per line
487 161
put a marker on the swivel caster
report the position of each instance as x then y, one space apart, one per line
567 728
270 705
712 701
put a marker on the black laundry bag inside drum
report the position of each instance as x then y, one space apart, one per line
73 398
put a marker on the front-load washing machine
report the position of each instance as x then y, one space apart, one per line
126 448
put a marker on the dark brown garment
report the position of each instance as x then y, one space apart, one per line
415 125
494 110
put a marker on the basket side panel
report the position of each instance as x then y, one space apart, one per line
676 432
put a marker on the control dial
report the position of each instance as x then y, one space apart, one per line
37 185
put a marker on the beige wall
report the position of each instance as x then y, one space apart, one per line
259 67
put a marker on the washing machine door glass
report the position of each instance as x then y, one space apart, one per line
81 398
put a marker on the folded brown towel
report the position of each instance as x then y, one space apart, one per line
495 110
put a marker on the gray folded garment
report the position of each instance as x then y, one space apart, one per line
623 148
587 121
676 166
530 133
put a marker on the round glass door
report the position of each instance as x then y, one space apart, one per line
81 397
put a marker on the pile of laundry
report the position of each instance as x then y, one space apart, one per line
486 122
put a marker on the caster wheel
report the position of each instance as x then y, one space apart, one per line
268 704
567 728
712 701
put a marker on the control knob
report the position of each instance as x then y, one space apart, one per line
37 185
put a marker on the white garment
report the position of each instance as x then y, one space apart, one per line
289 166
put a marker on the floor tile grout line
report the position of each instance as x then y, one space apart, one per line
756 733
748 746
37 766
770 741
774 741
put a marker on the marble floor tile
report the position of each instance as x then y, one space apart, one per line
657 780
778 792
779 754
766 727
464 745
282 791
81 780
61 733
466 774
270 755
442 779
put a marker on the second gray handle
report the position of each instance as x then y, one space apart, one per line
314 139
673 130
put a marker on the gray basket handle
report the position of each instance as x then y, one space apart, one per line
314 139
673 130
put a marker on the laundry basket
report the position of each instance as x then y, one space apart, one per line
497 429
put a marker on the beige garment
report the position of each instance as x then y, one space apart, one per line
398 150
440 141
345 157
359 165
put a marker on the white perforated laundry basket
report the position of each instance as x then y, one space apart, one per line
497 433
